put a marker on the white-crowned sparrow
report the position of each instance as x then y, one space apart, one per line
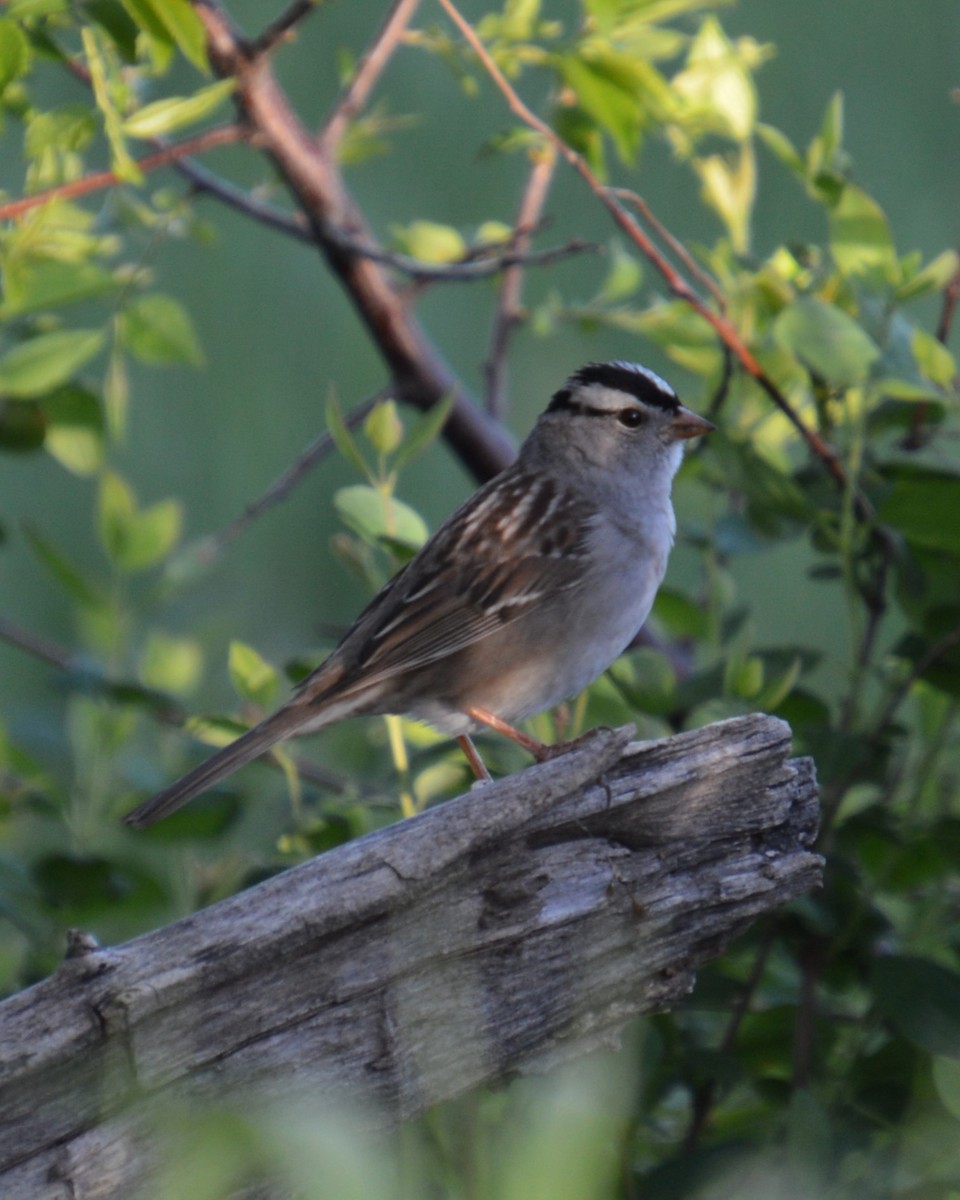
522 597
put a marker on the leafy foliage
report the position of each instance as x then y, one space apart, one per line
819 1057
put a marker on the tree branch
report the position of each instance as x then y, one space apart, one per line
511 288
420 376
222 135
513 928
676 283
282 27
368 71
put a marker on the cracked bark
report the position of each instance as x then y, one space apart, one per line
517 926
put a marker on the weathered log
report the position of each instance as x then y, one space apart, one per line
516 926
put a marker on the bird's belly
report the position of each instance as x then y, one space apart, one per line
541 660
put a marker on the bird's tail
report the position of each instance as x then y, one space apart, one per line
248 746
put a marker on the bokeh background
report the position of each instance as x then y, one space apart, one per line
277 333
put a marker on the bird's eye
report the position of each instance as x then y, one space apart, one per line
631 417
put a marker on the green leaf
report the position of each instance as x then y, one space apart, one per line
608 98
860 239
169 22
780 145
716 84
74 429
933 358
425 430
102 78
22 426
777 690
177 112
14 52
36 284
206 818
679 615
71 578
84 888
252 676
379 518
729 187
923 506
114 20
45 361
171 664
383 427
623 278
827 341
933 278
922 999
342 437
157 329
135 539
430 242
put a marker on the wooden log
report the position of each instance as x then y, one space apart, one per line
519 925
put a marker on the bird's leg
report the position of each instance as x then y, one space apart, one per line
540 751
477 765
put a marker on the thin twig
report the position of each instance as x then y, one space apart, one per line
208 549
84 676
368 71
221 135
705 1094
211 184
467 269
507 313
282 26
420 375
674 280
674 244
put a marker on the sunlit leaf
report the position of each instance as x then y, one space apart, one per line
609 98
380 518
860 238
14 52
383 427
827 341
172 21
173 113
933 278
158 330
933 358
343 439
430 242
252 676
42 363
133 538
37 284
74 429
171 664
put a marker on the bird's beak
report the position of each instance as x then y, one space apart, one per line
687 424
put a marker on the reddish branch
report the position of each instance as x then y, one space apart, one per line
223 135
508 305
676 283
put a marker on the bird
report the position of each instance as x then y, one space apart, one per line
521 598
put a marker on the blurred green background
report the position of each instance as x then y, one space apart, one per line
277 333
